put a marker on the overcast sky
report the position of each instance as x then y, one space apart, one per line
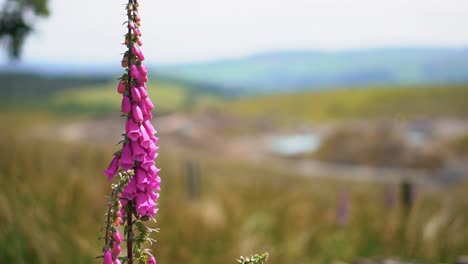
89 31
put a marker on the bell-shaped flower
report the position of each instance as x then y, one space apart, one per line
126 104
136 113
138 151
152 151
149 127
156 184
144 111
145 140
129 191
132 129
149 104
126 158
107 257
112 168
153 171
141 179
147 163
142 204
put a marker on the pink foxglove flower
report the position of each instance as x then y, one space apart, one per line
134 73
149 104
107 257
126 158
151 260
145 139
135 94
139 153
149 127
126 105
138 53
132 129
135 193
112 169
136 113
116 249
143 91
143 69
138 41
121 87
117 236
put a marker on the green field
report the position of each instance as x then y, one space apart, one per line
355 103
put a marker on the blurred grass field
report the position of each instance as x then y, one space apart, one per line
355 103
52 205
52 193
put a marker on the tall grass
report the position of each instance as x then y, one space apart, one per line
52 204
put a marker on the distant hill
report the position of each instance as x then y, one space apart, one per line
369 102
301 70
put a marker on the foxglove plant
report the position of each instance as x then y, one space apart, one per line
133 169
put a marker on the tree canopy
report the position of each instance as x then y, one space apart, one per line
17 19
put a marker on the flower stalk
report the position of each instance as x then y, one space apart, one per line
134 195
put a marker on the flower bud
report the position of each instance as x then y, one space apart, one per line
138 41
143 68
134 73
135 92
107 257
143 92
126 105
117 236
151 260
138 53
116 249
121 87
118 221
136 31
136 113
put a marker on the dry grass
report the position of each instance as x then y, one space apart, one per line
52 205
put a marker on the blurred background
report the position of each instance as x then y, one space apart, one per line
321 131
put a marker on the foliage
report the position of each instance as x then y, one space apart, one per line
255 259
16 23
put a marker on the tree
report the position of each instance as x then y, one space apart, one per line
17 19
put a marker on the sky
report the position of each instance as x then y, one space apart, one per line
181 31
